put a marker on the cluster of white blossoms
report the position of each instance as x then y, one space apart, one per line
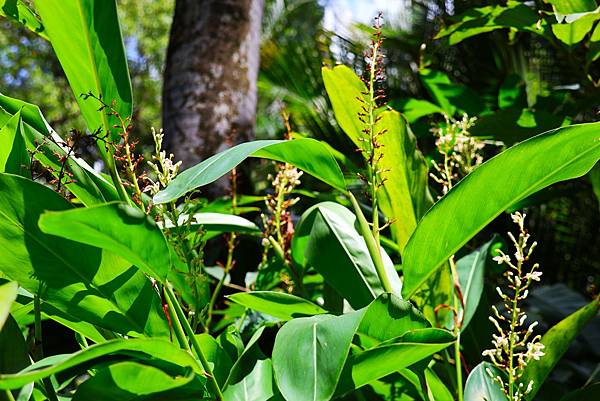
162 166
515 345
462 152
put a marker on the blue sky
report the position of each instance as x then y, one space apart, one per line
339 14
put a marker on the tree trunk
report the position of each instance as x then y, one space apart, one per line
209 92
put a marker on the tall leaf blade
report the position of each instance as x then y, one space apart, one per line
556 341
86 38
307 154
88 185
481 386
326 239
77 279
14 158
8 294
117 227
405 194
309 354
151 351
493 187
470 269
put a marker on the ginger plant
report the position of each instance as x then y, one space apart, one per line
515 344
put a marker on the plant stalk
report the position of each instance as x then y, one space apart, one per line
183 342
38 347
372 246
195 345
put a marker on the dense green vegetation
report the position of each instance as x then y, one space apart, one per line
388 253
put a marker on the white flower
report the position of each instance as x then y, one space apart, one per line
534 276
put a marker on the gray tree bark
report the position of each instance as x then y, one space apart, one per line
209 90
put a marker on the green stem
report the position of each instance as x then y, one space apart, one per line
458 362
372 246
38 347
9 395
183 342
192 337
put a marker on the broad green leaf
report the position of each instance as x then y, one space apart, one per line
414 109
436 389
365 367
216 223
14 158
450 96
309 354
388 317
590 392
573 32
470 271
481 386
278 304
116 227
475 21
493 187
128 381
251 378
307 154
572 6
327 240
214 353
18 11
86 38
343 87
8 294
556 342
154 352
88 185
405 195
77 279
14 355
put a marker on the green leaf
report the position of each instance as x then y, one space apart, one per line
14 355
18 11
556 342
365 367
14 158
481 386
497 184
405 195
470 271
307 154
450 96
436 389
86 38
572 6
414 109
155 352
278 304
475 21
80 280
8 294
216 223
309 354
216 355
251 378
116 227
88 186
327 240
389 317
128 381
573 32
